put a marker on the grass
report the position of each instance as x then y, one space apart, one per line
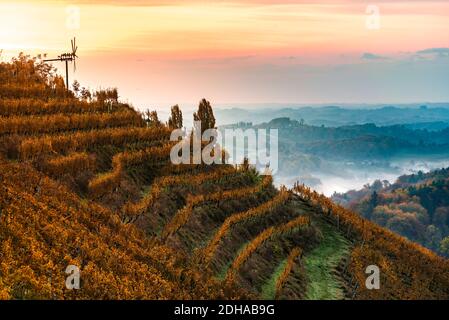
269 288
320 264
222 274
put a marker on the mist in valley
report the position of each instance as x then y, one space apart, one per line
353 177
338 148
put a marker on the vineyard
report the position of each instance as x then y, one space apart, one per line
89 182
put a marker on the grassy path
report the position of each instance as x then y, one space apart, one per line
320 264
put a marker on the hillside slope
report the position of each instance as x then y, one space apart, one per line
89 183
415 206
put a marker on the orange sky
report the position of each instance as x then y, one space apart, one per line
180 43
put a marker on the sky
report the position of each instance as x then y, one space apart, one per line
159 53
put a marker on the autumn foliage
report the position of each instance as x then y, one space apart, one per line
44 228
183 214
105 183
291 261
241 217
131 210
51 106
285 229
375 246
25 125
120 221
72 164
64 143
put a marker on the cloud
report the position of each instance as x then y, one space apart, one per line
441 52
372 56
255 2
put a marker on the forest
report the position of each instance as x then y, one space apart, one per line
87 181
415 206
338 159
356 142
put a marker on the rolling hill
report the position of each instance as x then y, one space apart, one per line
415 206
87 182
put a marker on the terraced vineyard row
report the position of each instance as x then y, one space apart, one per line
25 125
289 227
241 217
33 91
72 164
291 260
32 148
373 239
134 209
49 106
183 214
74 237
105 183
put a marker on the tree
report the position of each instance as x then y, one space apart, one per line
444 246
76 87
175 120
441 218
85 94
205 115
433 237
109 96
372 204
377 186
151 118
58 83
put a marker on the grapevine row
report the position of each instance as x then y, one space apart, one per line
160 183
33 106
370 235
34 147
34 90
351 223
182 215
294 254
61 122
107 182
89 233
240 217
71 164
287 228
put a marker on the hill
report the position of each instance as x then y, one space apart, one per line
415 206
87 181
348 152
359 142
432 116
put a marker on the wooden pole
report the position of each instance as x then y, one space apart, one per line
67 75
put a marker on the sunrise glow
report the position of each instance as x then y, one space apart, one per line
154 41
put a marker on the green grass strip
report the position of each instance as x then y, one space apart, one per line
321 262
269 288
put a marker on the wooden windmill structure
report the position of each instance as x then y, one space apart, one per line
67 57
